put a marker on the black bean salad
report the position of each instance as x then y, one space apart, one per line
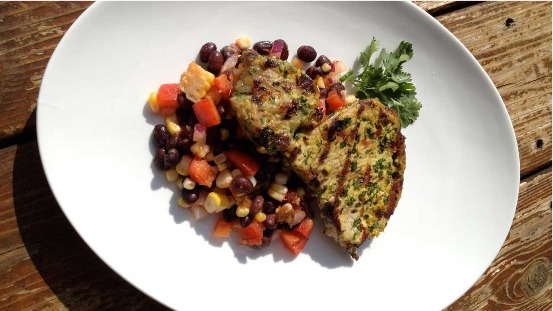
202 148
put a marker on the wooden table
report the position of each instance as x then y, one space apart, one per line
45 265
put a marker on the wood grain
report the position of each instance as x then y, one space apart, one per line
512 41
45 265
29 33
520 276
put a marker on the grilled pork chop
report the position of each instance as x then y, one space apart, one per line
353 160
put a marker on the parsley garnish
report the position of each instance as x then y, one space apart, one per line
386 80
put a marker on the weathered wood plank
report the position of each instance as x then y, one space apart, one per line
29 33
520 276
512 41
44 264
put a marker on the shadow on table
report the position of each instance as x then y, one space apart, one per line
72 271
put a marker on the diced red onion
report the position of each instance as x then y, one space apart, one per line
230 63
330 81
199 133
276 49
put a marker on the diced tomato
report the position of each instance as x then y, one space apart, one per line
201 172
296 239
223 228
206 112
223 85
252 234
305 227
214 95
293 241
167 96
244 162
334 100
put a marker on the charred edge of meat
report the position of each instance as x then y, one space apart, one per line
336 127
271 141
294 154
392 199
290 109
271 63
306 83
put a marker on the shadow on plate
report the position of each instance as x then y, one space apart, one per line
70 269
320 248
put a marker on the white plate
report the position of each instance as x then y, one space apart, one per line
94 127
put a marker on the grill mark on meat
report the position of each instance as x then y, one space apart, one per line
290 109
294 154
306 83
271 63
392 199
367 176
352 135
324 154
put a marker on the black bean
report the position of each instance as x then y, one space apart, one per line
213 135
160 135
257 205
245 221
307 53
269 207
159 159
323 93
322 60
215 62
192 120
172 158
242 184
184 102
229 214
284 54
314 71
339 87
229 51
270 221
206 50
263 47
190 196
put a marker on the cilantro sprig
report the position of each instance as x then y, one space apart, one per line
386 80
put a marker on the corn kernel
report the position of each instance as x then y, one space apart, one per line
195 82
275 195
200 149
221 167
182 203
279 188
237 172
281 178
326 68
242 211
179 183
216 202
188 184
260 217
320 82
171 175
153 102
172 125
220 158
224 179
243 42
183 166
